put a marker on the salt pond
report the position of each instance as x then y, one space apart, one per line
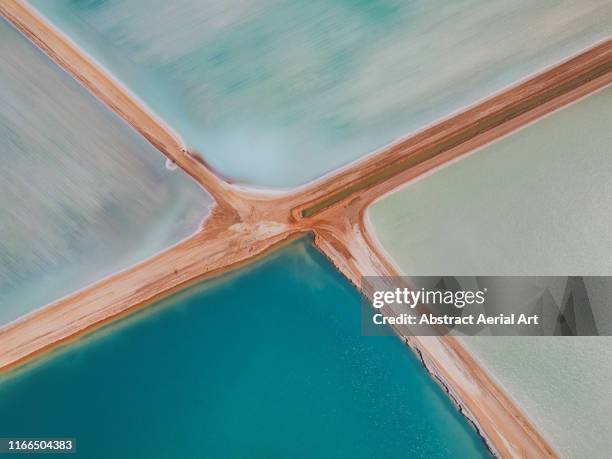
81 194
277 93
534 203
265 362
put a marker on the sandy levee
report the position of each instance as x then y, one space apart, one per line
246 223
344 235
484 121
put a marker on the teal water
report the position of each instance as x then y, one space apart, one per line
81 194
277 93
535 203
267 362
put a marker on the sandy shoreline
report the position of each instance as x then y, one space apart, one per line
244 225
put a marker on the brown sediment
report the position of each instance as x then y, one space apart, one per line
245 224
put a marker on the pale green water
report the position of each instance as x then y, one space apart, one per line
534 203
267 362
276 93
81 194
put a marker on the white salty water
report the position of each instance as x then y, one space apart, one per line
81 194
534 203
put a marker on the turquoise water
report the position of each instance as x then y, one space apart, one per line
267 362
81 194
276 93
534 203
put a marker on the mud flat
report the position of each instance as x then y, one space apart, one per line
519 207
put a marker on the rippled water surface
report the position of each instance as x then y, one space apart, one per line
276 93
534 203
81 194
267 362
